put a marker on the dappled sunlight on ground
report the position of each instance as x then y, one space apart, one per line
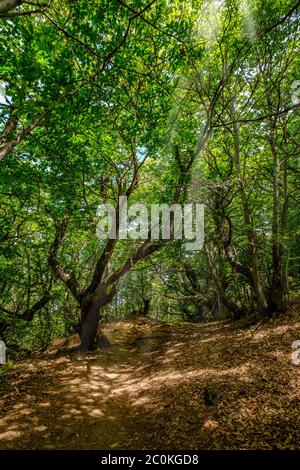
147 390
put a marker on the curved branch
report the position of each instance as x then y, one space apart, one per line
68 279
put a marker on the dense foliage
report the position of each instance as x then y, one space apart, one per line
182 101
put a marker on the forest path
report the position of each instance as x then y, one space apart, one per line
147 390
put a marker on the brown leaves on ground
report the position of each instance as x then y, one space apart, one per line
160 386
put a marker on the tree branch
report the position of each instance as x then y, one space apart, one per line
68 279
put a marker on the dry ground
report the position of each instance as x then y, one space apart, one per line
147 391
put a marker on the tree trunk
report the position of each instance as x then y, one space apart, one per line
200 317
89 325
146 307
262 304
278 294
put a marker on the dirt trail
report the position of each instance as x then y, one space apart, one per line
87 401
147 391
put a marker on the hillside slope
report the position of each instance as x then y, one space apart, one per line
160 386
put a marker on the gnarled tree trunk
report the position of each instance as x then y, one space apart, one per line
90 314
